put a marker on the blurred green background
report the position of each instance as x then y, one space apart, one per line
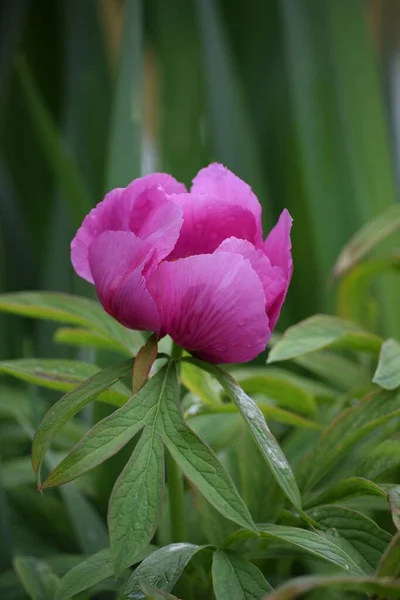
298 97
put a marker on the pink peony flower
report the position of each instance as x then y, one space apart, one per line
192 265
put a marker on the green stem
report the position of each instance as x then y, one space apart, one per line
177 509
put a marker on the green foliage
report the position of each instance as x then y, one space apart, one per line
304 456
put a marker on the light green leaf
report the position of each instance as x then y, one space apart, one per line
309 386
368 539
65 308
236 578
161 569
394 501
270 412
72 403
339 371
319 332
345 431
387 374
125 147
264 439
75 336
136 500
153 593
367 238
380 460
308 541
368 585
36 576
343 490
200 383
199 463
61 374
109 435
284 393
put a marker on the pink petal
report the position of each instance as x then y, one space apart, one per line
278 248
216 180
207 221
212 305
272 278
116 260
117 213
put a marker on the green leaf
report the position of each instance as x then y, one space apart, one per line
394 501
199 463
63 375
236 578
322 331
369 540
355 301
345 431
234 146
65 170
200 383
153 593
36 576
65 308
125 147
368 585
380 460
284 393
264 439
343 490
387 374
389 564
367 238
161 569
143 363
109 435
74 336
88 573
72 403
136 500
270 412
308 541
339 371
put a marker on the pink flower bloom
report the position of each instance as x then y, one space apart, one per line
192 265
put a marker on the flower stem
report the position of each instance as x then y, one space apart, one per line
177 509
176 351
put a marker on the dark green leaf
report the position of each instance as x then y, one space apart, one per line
283 393
264 439
65 170
236 578
72 403
387 374
161 569
380 460
345 431
136 500
199 463
389 564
